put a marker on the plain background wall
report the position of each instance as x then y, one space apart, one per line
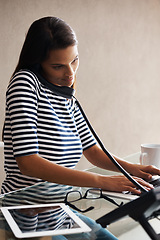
119 76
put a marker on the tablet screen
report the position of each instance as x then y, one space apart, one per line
43 220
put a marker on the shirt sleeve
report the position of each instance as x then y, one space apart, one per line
87 138
21 105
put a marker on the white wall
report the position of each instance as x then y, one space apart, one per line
119 76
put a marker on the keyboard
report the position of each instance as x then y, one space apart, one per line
155 181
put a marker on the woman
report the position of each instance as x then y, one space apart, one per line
45 133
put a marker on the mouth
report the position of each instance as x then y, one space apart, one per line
68 79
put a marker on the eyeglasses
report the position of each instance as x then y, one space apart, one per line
74 196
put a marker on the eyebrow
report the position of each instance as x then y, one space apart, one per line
60 64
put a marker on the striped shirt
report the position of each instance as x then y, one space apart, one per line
40 122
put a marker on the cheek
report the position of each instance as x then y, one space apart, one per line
49 72
55 74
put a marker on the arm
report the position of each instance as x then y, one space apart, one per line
98 158
36 166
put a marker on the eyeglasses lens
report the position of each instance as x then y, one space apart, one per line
74 196
91 195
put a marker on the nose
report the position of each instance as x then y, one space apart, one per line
69 71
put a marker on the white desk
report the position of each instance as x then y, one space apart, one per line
126 228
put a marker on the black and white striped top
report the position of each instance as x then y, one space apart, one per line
41 122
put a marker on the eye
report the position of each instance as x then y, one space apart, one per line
75 60
57 67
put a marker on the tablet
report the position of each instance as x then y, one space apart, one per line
43 220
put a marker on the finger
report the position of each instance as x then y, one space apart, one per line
145 184
153 170
133 190
145 175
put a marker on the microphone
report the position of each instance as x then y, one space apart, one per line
122 170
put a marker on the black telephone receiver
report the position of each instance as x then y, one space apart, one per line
66 92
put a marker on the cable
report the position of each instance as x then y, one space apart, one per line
122 170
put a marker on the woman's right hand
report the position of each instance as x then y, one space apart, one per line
120 183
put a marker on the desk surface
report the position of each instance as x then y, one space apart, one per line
125 228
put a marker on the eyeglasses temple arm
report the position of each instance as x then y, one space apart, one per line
111 200
77 209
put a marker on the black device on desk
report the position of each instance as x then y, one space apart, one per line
141 209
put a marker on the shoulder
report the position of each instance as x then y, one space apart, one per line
23 79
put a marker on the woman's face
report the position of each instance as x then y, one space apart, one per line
61 66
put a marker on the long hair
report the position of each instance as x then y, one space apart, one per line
45 34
